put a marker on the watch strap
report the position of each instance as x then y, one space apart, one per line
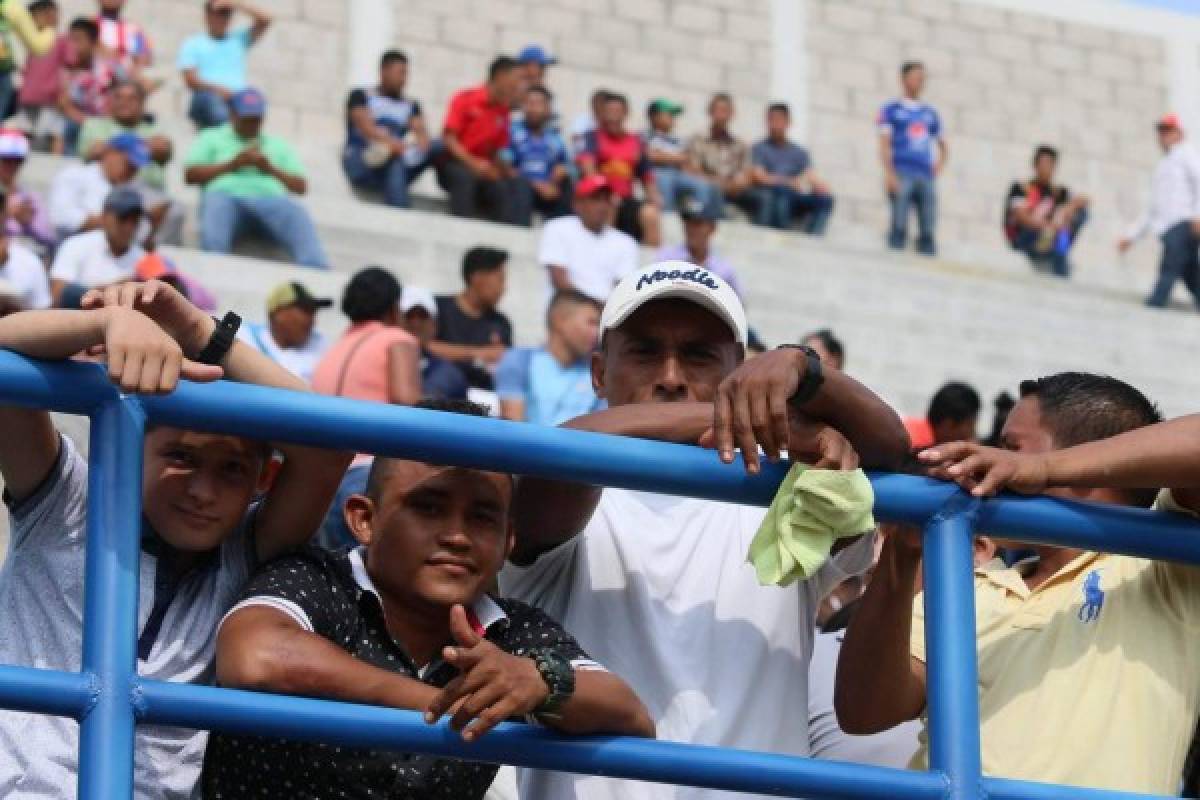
559 676
814 375
222 339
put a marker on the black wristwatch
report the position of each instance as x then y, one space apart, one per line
222 339
814 375
558 674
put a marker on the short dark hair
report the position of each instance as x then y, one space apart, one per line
956 402
370 294
829 342
779 108
543 91
390 57
1079 407
41 5
571 297
720 97
482 259
500 65
909 66
616 97
600 95
126 83
85 26
1044 150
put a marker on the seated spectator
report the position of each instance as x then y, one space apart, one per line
154 266
534 61
387 145
583 251
440 379
721 158
206 524
213 63
540 158
699 226
474 133
41 80
1086 660
101 257
26 213
127 114
1042 220
290 337
586 122
829 348
24 274
125 41
787 188
471 331
619 156
666 154
953 416
406 620
247 175
85 85
551 384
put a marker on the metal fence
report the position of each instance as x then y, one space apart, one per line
109 699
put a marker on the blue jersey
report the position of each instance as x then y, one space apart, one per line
913 128
535 155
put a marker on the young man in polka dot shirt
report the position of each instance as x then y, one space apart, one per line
405 620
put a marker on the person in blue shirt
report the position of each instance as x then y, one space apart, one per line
913 152
551 384
539 156
214 62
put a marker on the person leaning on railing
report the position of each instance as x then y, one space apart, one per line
202 535
1087 661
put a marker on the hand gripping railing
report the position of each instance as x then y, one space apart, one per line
109 699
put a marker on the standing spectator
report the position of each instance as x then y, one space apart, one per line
534 61
440 379
84 91
620 156
110 254
828 347
720 158
551 384
540 158
387 145
124 41
247 175
1173 215
79 191
953 416
23 272
471 331
786 185
666 153
913 152
26 213
583 251
41 80
213 63
699 226
37 39
474 133
1042 219
290 337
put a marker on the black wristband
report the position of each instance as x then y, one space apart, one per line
814 375
222 339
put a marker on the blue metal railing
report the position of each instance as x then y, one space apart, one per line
109 699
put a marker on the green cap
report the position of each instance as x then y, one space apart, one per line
662 104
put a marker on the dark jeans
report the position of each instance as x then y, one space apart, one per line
525 201
1180 260
918 191
471 196
208 110
1056 258
393 178
778 206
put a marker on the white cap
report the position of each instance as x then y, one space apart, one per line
415 297
675 279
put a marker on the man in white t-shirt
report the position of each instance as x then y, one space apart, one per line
658 586
100 257
26 285
290 338
584 251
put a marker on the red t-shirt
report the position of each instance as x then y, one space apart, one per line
480 124
618 158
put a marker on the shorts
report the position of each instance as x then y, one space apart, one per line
628 217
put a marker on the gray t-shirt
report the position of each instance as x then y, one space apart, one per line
41 594
788 159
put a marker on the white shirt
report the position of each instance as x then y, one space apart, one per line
77 193
595 263
300 361
1174 193
27 274
86 259
657 588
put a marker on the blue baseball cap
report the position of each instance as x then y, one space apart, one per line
133 147
536 54
248 103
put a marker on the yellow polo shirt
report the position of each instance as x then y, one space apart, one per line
1092 679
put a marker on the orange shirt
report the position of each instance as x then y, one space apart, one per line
920 432
356 366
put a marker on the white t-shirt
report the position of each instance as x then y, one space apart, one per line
86 259
300 361
657 588
25 272
594 262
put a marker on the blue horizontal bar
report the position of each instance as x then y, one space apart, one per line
68 387
45 691
1005 789
351 725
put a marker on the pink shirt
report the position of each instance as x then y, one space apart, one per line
43 74
357 364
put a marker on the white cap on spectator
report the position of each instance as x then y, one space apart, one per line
675 279
13 145
415 297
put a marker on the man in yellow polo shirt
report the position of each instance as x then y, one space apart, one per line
1089 664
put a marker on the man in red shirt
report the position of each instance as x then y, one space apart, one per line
620 156
469 168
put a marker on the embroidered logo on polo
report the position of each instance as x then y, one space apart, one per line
1093 598
694 275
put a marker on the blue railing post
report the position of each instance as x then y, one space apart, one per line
951 669
110 598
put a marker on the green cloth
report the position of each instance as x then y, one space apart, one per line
811 509
101 129
221 144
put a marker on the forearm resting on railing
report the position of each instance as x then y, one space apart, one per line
1167 454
